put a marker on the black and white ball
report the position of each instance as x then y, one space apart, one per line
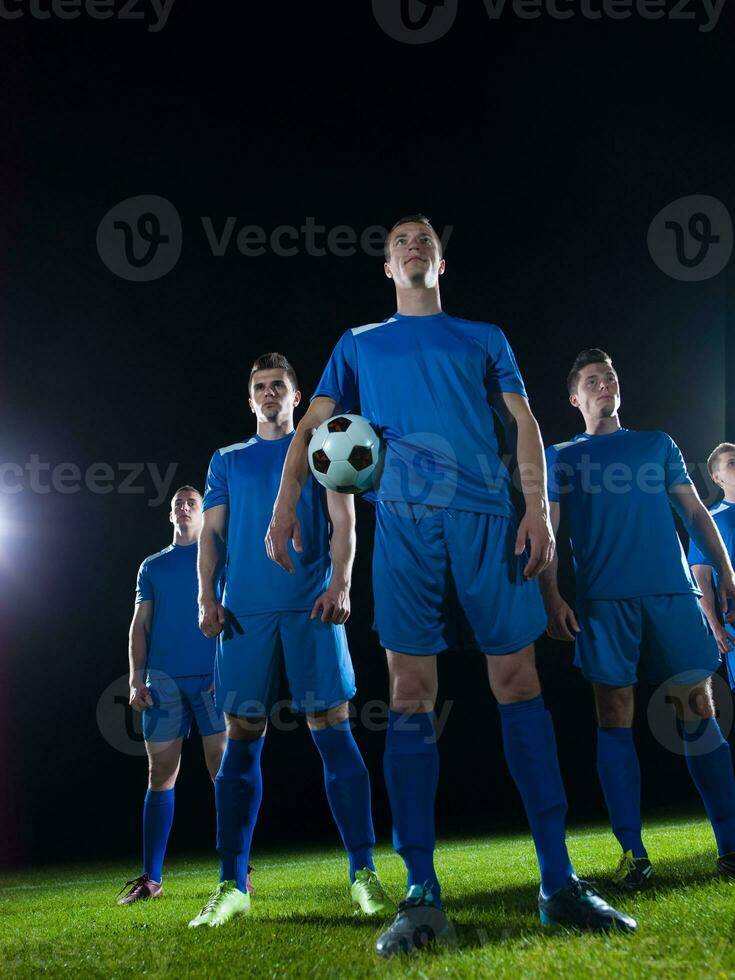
345 454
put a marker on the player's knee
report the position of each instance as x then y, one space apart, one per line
161 775
615 706
511 686
700 701
328 719
242 729
409 695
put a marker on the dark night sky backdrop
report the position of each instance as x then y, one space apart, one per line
548 146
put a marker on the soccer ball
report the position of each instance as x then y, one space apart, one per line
345 454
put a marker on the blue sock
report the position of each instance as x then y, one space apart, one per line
530 751
411 767
238 790
347 783
710 766
158 815
620 777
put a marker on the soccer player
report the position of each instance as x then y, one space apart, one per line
267 618
432 383
617 487
171 681
721 466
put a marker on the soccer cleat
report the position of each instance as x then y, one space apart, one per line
142 888
634 874
418 924
225 902
726 865
578 905
367 892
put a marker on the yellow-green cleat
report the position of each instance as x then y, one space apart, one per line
367 892
226 902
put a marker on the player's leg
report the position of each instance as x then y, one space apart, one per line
709 762
322 681
165 725
213 747
506 614
681 649
620 778
246 676
530 751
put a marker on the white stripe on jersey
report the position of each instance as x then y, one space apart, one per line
371 326
237 445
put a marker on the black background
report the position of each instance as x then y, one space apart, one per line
548 146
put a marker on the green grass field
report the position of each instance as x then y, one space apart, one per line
64 921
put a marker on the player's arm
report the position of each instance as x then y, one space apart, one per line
284 525
535 527
561 621
334 603
703 531
138 639
210 562
703 575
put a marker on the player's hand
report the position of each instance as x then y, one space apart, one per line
334 605
211 617
140 698
727 595
284 527
562 623
725 642
535 530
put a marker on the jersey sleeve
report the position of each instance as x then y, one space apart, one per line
676 471
143 585
503 373
554 475
216 490
339 380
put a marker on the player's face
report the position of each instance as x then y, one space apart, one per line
415 261
598 391
272 396
724 475
186 511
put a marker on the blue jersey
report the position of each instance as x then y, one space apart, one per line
425 383
177 646
723 514
613 489
245 477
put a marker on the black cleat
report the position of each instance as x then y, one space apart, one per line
419 923
726 865
579 906
634 874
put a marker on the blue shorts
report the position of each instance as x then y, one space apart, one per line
251 650
177 701
417 549
674 632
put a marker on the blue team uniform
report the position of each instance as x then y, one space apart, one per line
180 660
443 506
267 608
723 514
633 582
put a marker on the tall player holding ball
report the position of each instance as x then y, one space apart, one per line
432 384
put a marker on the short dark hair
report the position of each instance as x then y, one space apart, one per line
186 488
591 355
269 362
714 456
410 219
